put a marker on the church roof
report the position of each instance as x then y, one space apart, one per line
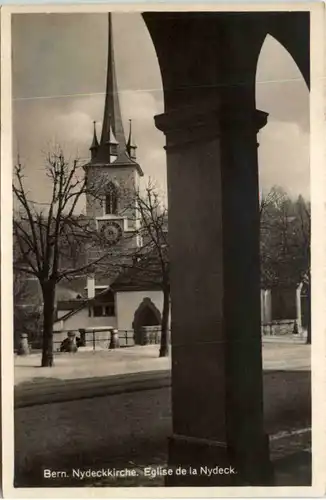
123 160
145 274
74 306
70 305
112 113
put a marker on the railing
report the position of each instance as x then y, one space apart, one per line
98 339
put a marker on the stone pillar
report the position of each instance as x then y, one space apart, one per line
23 348
247 442
114 339
264 311
71 345
215 294
269 305
298 307
208 64
196 253
264 306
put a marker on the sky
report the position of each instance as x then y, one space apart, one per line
59 76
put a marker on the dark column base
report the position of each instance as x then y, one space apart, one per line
208 458
254 466
211 460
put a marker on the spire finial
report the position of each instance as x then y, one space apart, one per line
95 144
112 121
131 147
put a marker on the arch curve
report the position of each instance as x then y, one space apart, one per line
146 315
292 30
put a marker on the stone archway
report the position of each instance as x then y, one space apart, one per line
146 323
208 64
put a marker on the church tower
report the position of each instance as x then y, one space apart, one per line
113 173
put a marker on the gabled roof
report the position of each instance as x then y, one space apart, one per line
80 304
123 160
69 305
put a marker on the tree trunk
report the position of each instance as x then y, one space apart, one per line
164 347
48 290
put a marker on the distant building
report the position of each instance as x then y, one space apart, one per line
127 305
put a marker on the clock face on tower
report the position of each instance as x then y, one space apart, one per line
112 232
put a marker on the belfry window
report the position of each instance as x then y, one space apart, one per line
111 199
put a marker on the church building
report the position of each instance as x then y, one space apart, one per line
108 299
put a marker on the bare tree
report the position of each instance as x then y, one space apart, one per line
285 238
153 230
52 239
149 262
272 216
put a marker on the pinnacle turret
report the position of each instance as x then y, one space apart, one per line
131 146
95 143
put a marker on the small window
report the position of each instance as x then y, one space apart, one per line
111 200
98 311
109 310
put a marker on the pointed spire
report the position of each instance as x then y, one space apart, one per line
95 144
112 148
112 121
131 146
